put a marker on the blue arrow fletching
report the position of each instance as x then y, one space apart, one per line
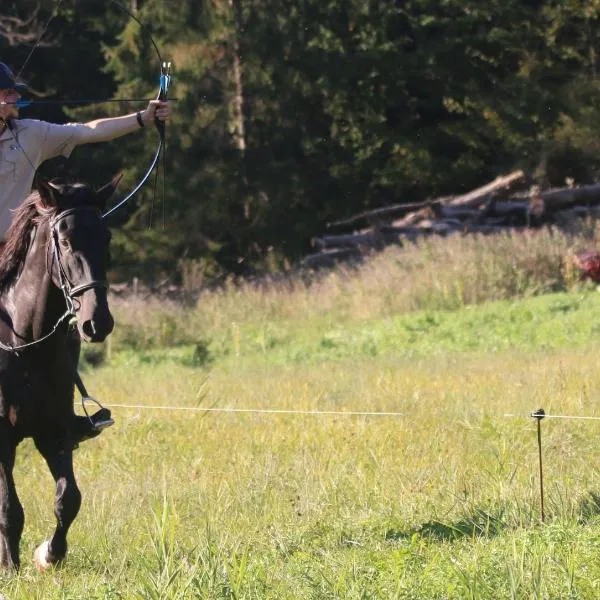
165 81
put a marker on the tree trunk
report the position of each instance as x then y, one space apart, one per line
503 184
236 105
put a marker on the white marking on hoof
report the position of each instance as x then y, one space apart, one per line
40 556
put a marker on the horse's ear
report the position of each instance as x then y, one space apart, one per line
50 193
106 191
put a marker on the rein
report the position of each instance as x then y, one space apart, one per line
69 292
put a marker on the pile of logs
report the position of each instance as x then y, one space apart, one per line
508 202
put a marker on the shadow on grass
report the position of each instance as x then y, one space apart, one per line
480 524
589 507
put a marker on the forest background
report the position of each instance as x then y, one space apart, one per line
293 113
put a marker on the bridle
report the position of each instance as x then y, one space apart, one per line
70 291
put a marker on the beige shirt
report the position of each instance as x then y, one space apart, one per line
22 151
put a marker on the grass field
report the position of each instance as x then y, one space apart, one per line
440 501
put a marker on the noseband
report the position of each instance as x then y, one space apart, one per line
69 290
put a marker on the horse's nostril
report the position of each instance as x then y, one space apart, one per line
97 329
89 329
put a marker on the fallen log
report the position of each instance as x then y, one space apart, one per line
407 232
438 207
494 208
330 258
476 201
562 198
504 185
384 214
414 218
370 240
460 213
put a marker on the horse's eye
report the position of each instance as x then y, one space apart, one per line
64 243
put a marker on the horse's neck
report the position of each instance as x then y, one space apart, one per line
37 303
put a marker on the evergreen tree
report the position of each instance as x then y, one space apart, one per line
294 113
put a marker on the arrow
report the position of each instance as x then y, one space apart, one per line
25 103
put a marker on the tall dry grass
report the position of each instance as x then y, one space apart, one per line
434 274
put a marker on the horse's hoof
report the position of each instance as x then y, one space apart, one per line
40 556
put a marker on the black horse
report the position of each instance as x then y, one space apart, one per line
52 265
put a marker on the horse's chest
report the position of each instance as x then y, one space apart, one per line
32 398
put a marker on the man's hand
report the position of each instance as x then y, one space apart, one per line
156 109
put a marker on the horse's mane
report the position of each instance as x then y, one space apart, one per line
29 215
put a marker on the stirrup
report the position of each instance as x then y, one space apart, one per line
101 419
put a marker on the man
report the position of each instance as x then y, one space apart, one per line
25 144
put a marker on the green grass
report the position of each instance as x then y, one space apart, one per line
550 322
435 275
463 337
441 502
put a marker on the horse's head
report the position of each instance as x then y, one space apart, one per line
78 252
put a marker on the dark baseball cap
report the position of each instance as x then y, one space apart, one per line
8 81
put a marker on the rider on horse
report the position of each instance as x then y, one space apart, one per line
26 143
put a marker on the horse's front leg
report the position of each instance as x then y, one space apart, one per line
59 456
12 517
